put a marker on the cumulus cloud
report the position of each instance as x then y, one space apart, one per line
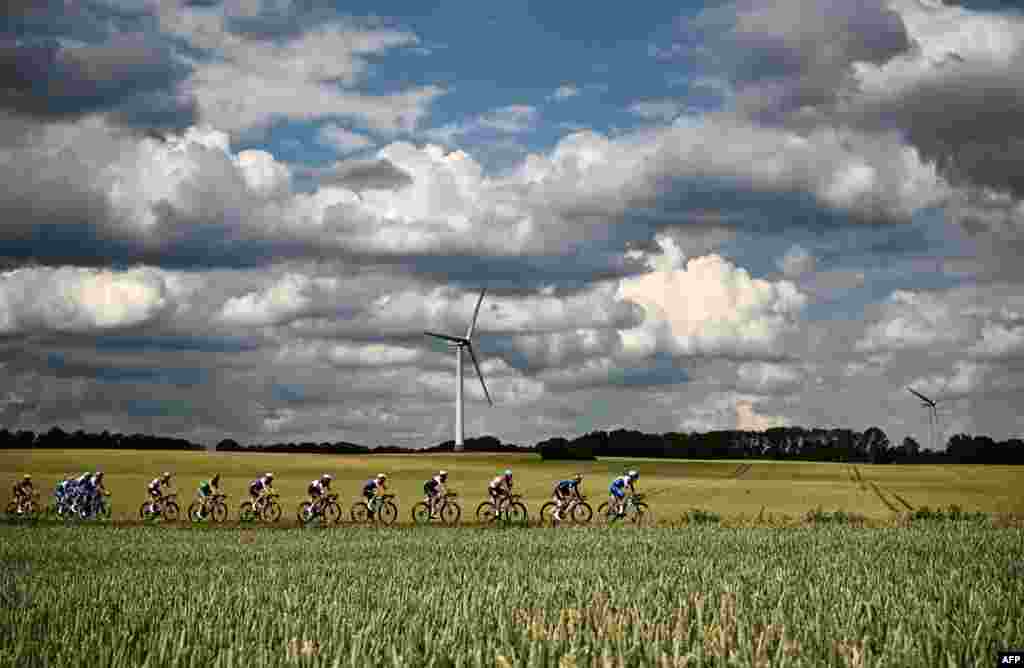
796 262
343 140
564 92
84 301
769 378
708 306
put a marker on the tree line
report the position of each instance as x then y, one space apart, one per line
782 443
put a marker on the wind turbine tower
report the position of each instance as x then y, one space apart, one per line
933 414
458 343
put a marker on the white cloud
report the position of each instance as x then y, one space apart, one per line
343 140
564 92
662 111
769 378
708 306
796 262
84 300
291 296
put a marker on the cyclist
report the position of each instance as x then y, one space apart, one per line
318 489
98 490
22 491
207 489
259 487
565 490
435 489
371 488
155 490
500 488
618 490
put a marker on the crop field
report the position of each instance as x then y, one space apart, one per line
732 489
746 592
944 594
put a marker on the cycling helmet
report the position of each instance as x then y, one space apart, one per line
578 477
268 476
508 473
327 477
381 476
442 474
27 476
166 476
633 474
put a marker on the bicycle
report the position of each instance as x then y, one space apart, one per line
447 509
95 507
266 508
166 507
381 509
576 510
634 510
510 510
326 507
215 507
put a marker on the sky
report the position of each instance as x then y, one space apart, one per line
235 219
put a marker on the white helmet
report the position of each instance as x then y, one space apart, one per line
443 473
633 474
381 476
166 475
327 477
268 476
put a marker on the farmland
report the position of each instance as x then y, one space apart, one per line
732 489
943 594
919 593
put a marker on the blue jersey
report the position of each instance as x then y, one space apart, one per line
621 482
371 485
568 485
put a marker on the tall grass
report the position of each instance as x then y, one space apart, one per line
948 593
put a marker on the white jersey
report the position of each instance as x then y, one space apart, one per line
500 483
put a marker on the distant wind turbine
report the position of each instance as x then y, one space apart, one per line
933 414
458 343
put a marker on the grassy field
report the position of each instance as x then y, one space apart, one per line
945 594
729 488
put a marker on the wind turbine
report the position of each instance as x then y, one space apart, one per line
933 414
458 343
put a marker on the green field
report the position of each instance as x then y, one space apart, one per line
945 594
733 489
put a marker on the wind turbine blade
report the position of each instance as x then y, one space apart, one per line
472 323
921 397
480 375
446 337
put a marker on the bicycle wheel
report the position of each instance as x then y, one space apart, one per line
359 513
144 512
219 512
194 513
641 515
332 512
582 513
547 514
517 514
171 511
485 512
272 511
421 513
605 514
246 512
305 512
387 513
451 513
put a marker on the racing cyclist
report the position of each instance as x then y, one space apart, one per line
372 487
259 487
617 491
318 490
500 489
565 490
155 489
435 489
206 490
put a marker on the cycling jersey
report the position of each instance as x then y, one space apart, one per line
259 485
567 486
205 488
618 486
316 488
500 484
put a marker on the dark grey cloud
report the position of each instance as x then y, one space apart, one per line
119 64
359 175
